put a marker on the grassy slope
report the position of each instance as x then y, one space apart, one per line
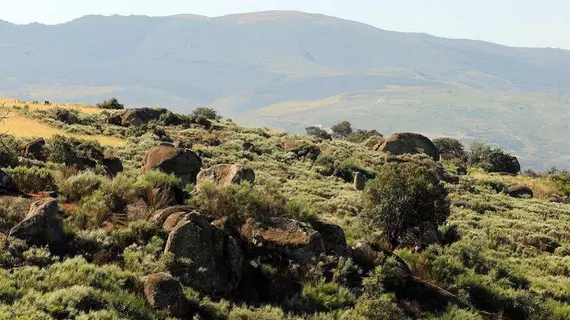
500 229
21 125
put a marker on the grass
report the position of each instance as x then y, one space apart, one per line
22 126
541 187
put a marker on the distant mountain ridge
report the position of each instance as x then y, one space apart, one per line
243 63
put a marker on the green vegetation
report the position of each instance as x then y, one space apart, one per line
405 201
450 242
111 104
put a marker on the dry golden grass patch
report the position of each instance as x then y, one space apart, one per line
21 126
7 103
541 187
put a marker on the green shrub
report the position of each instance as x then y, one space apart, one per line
361 135
207 113
492 159
174 119
495 185
264 313
322 296
403 200
33 180
450 146
341 130
318 132
238 202
454 313
9 147
81 185
111 104
106 203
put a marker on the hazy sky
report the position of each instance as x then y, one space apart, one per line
530 23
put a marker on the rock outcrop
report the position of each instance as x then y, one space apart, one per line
359 181
113 165
282 237
161 215
412 143
181 162
333 237
42 226
7 184
520 191
206 258
35 150
226 174
366 257
162 291
135 117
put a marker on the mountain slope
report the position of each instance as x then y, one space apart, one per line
246 62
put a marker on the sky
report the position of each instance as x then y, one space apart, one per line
522 23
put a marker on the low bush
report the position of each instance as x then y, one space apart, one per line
111 104
81 185
238 202
33 180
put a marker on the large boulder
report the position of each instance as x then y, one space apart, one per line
165 293
35 149
181 162
333 237
141 116
283 238
366 257
412 143
7 184
113 165
216 258
226 174
42 226
520 191
135 117
161 215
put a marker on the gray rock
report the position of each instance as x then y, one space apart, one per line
359 181
333 237
520 191
161 215
285 237
183 163
206 258
226 174
164 292
42 226
7 185
412 143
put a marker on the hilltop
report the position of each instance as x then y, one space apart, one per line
257 67
194 217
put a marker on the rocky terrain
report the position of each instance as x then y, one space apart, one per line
195 217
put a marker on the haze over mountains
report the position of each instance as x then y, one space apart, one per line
289 70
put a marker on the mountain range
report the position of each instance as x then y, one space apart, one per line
288 70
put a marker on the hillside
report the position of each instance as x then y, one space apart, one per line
190 217
244 63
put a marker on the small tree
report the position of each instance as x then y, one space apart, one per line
449 146
341 130
492 159
111 104
404 201
318 132
208 113
361 135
